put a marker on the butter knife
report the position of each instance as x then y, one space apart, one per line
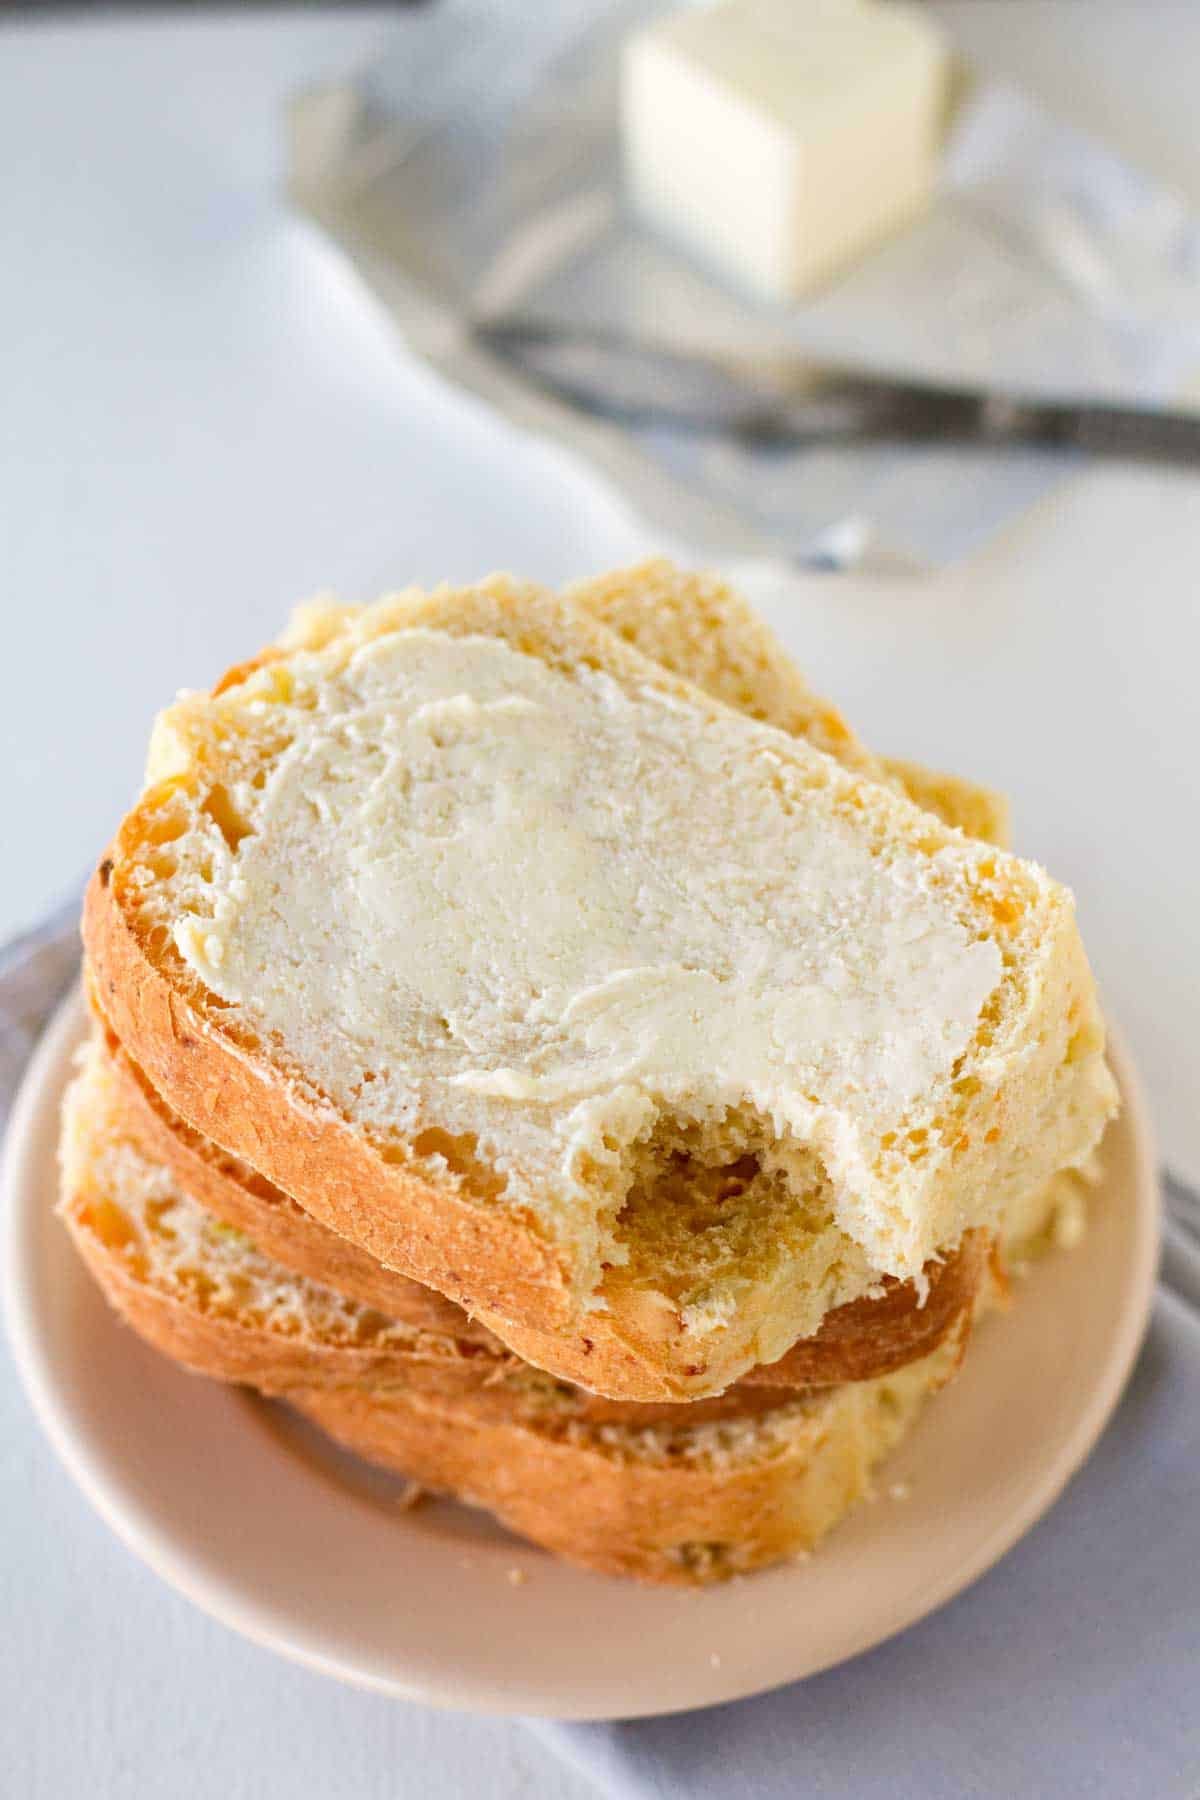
786 399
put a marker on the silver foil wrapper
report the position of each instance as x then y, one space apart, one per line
475 170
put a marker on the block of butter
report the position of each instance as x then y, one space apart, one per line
779 138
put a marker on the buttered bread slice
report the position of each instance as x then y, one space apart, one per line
625 1021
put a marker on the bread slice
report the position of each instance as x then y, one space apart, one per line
697 625
687 1505
856 1342
790 1032
669 1493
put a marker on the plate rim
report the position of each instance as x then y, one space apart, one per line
150 1540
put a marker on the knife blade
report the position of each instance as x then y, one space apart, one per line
784 399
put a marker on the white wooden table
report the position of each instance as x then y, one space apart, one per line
202 420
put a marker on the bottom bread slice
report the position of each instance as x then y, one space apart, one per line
687 1504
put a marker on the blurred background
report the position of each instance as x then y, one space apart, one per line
284 306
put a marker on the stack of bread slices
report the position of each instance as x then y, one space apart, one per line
538 1040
